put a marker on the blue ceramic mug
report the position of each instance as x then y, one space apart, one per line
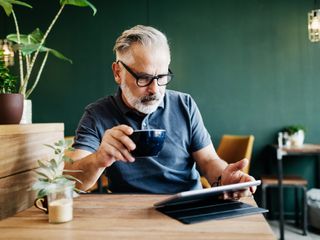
149 142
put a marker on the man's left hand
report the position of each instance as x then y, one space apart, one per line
233 174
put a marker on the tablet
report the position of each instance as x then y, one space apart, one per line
195 195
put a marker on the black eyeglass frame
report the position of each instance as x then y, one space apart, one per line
149 77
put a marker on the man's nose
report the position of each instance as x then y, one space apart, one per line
153 87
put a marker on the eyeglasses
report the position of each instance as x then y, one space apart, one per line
144 80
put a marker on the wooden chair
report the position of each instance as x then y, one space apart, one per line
295 182
233 148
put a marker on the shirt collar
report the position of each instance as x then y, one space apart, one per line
124 108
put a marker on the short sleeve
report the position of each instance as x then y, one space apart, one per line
200 137
87 135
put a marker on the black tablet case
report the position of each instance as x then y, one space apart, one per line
199 210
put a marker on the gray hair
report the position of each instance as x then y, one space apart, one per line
144 35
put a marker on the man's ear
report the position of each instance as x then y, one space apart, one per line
116 72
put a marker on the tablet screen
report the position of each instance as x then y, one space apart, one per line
194 195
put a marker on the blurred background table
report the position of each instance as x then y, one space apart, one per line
305 150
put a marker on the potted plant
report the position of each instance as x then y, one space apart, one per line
11 102
31 45
55 188
51 172
294 135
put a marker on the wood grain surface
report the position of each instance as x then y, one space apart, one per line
20 148
22 145
129 216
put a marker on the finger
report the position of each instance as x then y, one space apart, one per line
233 167
247 178
243 177
236 195
127 130
122 149
111 150
121 136
244 193
253 189
226 196
108 154
118 155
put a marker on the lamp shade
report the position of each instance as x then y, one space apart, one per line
8 53
314 25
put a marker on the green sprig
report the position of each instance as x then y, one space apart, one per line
51 172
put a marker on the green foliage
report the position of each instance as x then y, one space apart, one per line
79 3
7 80
293 129
7 5
30 45
51 172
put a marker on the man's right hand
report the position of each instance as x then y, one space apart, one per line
115 145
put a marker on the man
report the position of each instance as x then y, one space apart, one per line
102 140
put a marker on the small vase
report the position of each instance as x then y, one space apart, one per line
27 112
297 139
11 108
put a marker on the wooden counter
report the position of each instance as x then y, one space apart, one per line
20 148
129 216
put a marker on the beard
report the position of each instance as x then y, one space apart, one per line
145 104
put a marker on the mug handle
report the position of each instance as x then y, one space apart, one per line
39 203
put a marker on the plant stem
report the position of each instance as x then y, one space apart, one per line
28 62
38 76
26 79
19 51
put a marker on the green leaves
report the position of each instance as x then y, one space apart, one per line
44 176
7 80
7 5
51 172
57 54
32 38
79 3
31 42
293 129
70 177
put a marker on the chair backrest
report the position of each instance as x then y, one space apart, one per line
233 148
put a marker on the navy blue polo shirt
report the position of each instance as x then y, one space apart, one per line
173 170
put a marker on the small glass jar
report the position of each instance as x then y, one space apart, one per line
60 203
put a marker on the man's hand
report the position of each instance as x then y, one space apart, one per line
233 174
115 145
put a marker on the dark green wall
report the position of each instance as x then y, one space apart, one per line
247 63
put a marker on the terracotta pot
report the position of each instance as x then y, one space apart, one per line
11 108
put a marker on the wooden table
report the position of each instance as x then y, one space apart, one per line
128 216
305 150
